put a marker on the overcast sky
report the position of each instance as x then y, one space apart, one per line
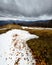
32 9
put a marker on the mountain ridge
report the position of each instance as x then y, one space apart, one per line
40 23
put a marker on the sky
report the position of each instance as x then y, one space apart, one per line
26 9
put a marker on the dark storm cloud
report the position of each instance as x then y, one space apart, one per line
26 8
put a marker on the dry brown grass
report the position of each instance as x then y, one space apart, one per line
9 27
41 47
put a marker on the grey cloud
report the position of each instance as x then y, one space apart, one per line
27 8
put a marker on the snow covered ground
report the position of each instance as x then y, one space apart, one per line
37 28
25 27
13 48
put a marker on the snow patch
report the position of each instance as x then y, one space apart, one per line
13 48
36 28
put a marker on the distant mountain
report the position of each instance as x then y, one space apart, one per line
40 23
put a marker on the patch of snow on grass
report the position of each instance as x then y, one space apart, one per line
36 28
13 48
